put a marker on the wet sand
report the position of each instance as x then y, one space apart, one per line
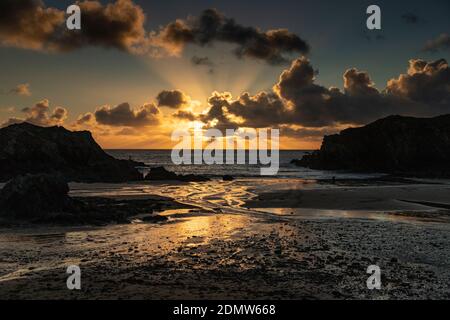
278 249
388 197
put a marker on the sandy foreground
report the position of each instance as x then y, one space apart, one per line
248 239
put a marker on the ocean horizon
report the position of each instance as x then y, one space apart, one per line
162 157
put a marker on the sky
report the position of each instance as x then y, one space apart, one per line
137 70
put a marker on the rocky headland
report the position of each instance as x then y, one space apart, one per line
396 145
29 149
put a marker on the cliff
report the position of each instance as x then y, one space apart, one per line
396 144
26 148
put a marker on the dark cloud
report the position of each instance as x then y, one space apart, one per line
172 99
59 115
258 111
297 101
315 106
124 115
85 118
425 82
118 25
202 61
185 115
41 115
30 24
442 42
211 26
358 83
217 114
307 134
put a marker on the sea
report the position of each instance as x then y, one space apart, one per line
155 158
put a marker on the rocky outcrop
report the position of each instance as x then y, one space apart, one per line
33 197
396 144
160 173
227 177
44 198
26 148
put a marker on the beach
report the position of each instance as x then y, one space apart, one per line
251 238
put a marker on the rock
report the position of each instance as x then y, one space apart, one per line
396 144
192 178
227 178
160 173
154 218
26 148
35 197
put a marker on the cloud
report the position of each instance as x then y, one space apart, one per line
185 115
258 111
11 121
41 115
59 115
307 134
124 115
201 61
313 105
172 99
425 82
411 18
118 25
30 24
211 26
441 43
303 108
127 132
87 118
22 90
358 83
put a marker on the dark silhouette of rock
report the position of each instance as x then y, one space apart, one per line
160 173
154 218
227 177
396 144
26 148
35 197
43 198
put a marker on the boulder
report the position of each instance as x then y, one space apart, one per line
32 197
26 148
160 174
396 144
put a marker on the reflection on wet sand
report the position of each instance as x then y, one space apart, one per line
199 253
